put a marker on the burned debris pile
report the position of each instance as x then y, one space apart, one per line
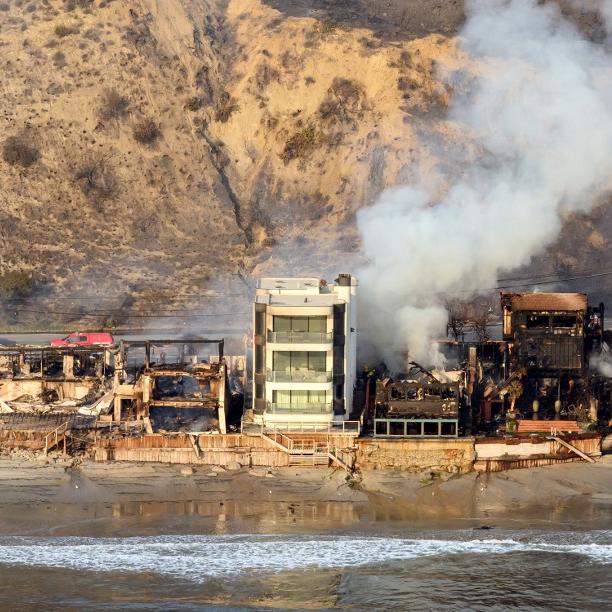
43 379
539 377
177 387
410 407
57 395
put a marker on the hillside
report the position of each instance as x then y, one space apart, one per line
156 149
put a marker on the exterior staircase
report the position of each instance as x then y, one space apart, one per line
302 452
56 437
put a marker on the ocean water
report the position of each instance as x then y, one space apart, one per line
500 569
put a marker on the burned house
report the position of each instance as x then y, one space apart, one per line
52 395
416 408
177 387
551 332
551 338
539 370
42 378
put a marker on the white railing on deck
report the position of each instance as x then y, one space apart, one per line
352 427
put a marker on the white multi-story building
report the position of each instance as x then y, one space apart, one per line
304 351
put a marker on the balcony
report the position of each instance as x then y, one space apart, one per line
298 337
304 408
309 376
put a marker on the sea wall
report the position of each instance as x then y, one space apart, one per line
229 450
494 455
454 455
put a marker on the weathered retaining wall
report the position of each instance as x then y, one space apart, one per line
33 440
494 455
457 455
415 455
228 450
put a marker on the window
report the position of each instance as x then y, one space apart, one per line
292 361
295 398
566 321
260 322
282 324
259 359
300 324
338 362
537 321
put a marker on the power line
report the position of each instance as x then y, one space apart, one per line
132 315
123 298
557 280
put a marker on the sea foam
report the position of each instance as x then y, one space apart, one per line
198 557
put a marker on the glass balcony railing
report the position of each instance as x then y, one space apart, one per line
308 407
298 337
313 376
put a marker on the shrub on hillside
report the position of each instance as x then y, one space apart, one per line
97 180
59 59
112 105
226 107
146 131
15 283
61 30
18 152
300 144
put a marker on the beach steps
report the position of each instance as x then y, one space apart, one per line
301 451
56 437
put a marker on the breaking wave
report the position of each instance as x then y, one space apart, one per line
199 557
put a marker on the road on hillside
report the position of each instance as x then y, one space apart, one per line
234 338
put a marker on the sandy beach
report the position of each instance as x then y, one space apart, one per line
118 536
124 498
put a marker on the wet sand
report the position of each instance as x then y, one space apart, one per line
125 499
122 536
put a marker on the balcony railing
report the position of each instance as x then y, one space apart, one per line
313 376
305 408
298 337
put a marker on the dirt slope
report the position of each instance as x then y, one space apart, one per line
152 149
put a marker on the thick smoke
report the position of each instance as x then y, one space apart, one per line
540 115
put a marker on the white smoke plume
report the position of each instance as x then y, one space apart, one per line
540 113
602 363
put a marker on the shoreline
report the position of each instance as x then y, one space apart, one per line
105 499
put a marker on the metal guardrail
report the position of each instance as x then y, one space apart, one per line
313 376
309 408
297 337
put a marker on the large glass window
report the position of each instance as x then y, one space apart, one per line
282 324
295 361
299 397
282 361
300 324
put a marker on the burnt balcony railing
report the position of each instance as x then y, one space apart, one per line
299 337
311 376
304 408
